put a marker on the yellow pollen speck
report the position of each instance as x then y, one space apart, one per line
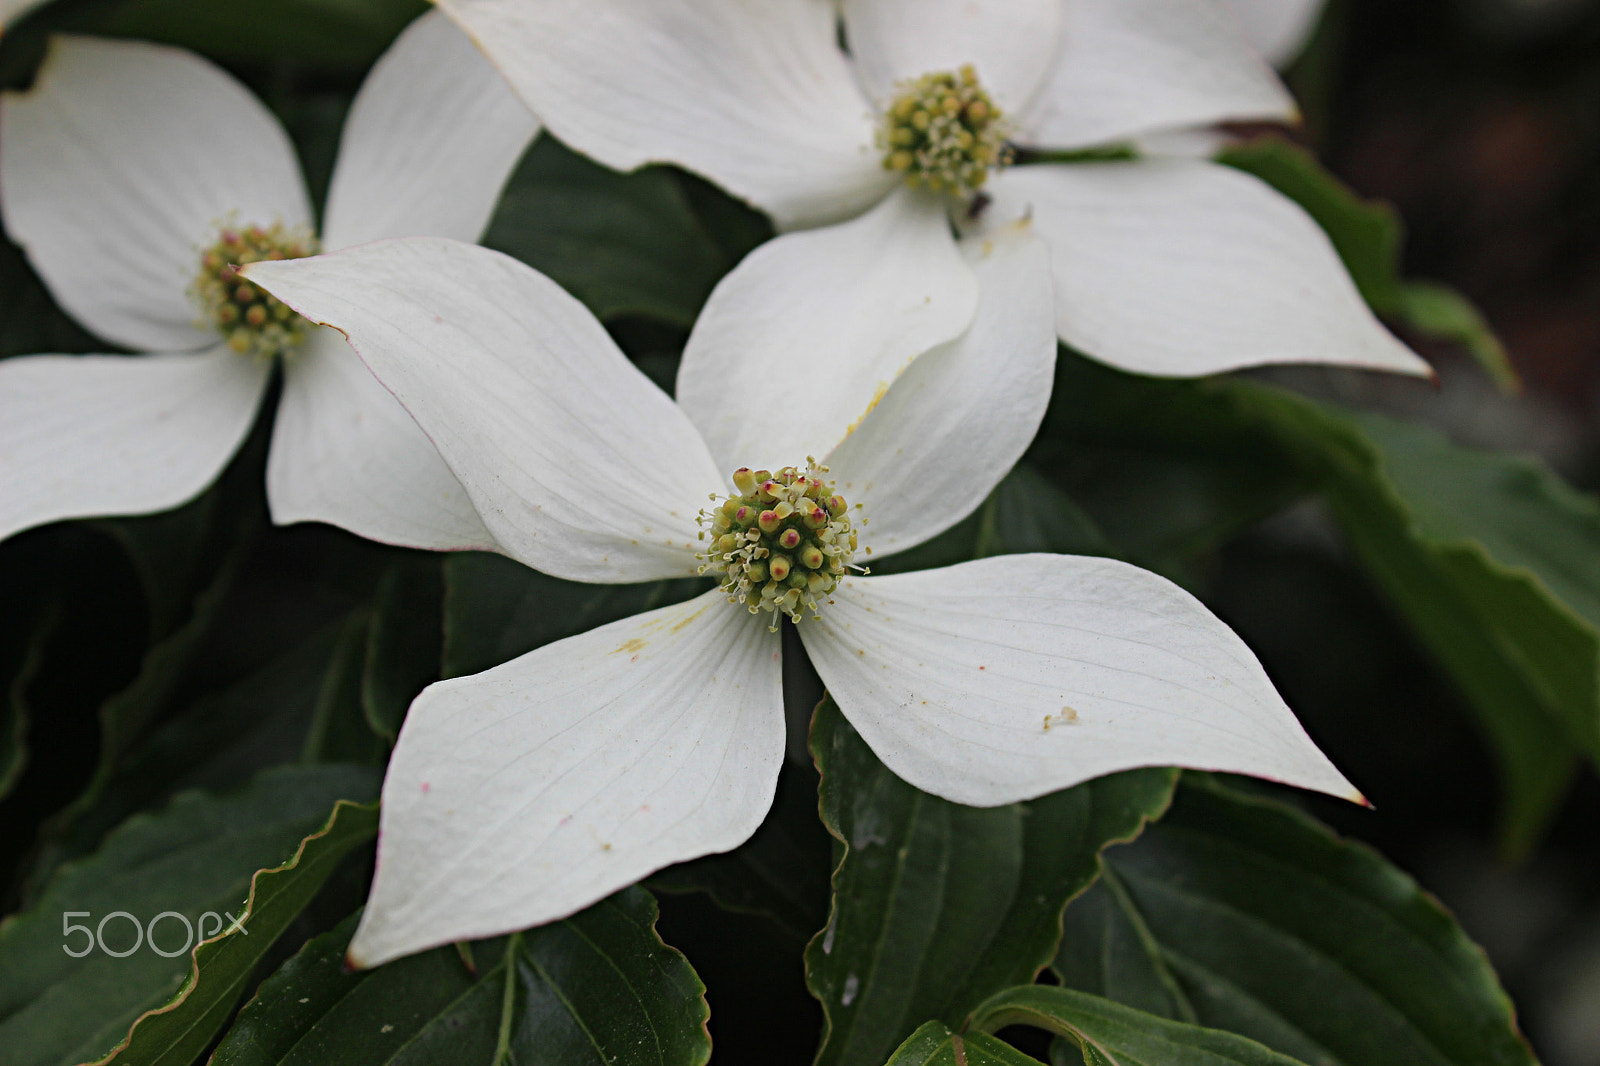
877 395
685 621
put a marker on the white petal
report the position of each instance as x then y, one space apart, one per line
431 138
527 792
755 96
13 10
344 451
799 342
1184 267
1131 66
953 424
579 466
1011 43
1009 677
120 164
86 435
1276 28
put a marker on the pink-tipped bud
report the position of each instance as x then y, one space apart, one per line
779 566
245 293
769 521
770 489
744 479
815 518
790 539
812 557
837 506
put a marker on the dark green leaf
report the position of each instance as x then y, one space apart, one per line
404 643
195 857
29 628
1439 311
1494 561
1366 234
347 34
129 714
220 739
935 1045
495 609
178 1031
1027 512
177 553
30 321
1114 1035
624 244
339 731
1243 914
781 871
938 905
597 988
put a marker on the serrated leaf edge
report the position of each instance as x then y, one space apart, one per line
193 980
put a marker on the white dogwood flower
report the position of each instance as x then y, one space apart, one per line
527 792
1161 265
136 177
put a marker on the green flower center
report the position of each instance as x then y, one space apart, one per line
944 133
253 321
782 543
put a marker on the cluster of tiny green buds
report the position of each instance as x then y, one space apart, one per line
782 543
944 133
253 321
